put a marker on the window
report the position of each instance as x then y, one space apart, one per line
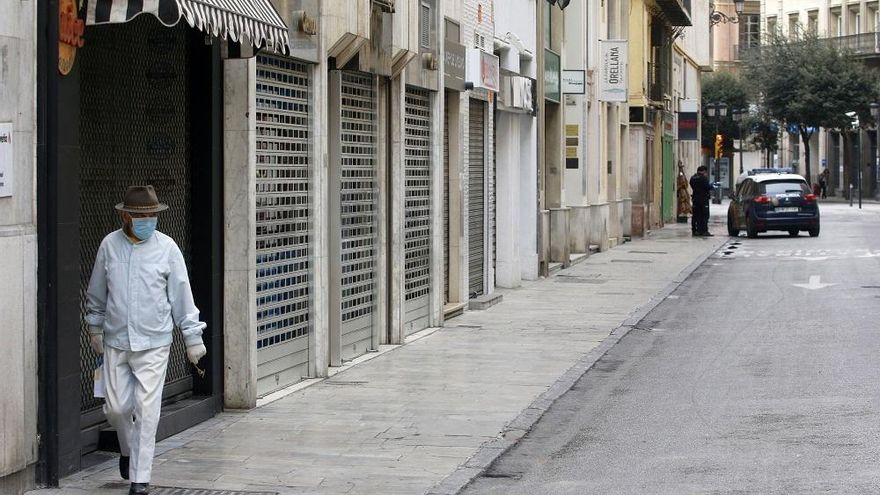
783 187
813 22
835 23
425 26
772 25
453 31
750 31
792 24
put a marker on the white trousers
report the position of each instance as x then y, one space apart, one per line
134 382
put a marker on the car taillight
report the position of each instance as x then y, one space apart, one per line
762 199
810 198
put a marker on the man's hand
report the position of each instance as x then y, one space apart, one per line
96 339
196 352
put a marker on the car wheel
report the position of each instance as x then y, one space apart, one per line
731 230
793 232
751 230
814 232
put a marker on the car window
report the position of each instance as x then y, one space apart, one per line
748 189
773 188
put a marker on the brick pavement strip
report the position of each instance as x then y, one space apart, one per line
430 415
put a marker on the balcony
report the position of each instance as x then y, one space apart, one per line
864 44
676 12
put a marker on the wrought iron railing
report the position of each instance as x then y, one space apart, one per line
859 44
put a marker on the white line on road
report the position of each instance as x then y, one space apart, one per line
814 284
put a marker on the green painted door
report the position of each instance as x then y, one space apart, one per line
668 180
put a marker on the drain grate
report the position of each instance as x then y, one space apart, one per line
579 280
647 252
174 490
631 261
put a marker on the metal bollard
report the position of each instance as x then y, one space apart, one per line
850 195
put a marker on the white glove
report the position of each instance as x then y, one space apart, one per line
196 352
96 339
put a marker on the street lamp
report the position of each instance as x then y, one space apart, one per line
717 111
739 115
875 113
717 17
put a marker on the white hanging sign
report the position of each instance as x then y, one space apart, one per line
6 157
612 70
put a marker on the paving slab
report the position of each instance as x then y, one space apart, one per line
428 416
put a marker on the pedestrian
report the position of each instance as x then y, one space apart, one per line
823 182
700 193
139 291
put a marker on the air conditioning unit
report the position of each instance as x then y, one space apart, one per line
430 61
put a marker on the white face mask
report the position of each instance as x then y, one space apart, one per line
143 228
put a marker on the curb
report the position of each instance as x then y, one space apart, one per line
491 450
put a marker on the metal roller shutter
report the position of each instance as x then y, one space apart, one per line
476 197
446 202
417 204
284 271
358 201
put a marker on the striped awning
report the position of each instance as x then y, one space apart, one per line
226 19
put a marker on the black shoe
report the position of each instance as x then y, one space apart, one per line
707 234
123 466
139 489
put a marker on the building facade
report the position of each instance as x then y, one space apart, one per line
850 156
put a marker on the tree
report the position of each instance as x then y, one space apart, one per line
810 83
728 88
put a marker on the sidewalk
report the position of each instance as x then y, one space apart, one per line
427 416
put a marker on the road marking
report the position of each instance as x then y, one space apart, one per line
814 284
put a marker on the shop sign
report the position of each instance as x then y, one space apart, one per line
70 35
612 70
454 63
552 76
573 82
6 157
687 126
483 69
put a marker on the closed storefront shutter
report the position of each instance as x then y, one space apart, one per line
417 223
476 198
284 270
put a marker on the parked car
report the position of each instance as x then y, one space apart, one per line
772 201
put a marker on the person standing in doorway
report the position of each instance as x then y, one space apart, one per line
139 291
701 191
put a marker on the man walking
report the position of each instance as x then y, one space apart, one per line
701 192
138 292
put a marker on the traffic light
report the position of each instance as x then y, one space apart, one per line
719 144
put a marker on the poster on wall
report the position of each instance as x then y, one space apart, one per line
612 70
5 159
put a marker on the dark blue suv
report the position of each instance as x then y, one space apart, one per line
764 202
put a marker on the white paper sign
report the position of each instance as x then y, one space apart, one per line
612 70
573 82
5 159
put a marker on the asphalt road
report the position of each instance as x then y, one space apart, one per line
754 376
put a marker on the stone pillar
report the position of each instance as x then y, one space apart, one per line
559 248
239 237
579 229
507 270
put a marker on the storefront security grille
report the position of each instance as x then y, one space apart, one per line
446 297
417 202
284 271
134 129
476 197
358 210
